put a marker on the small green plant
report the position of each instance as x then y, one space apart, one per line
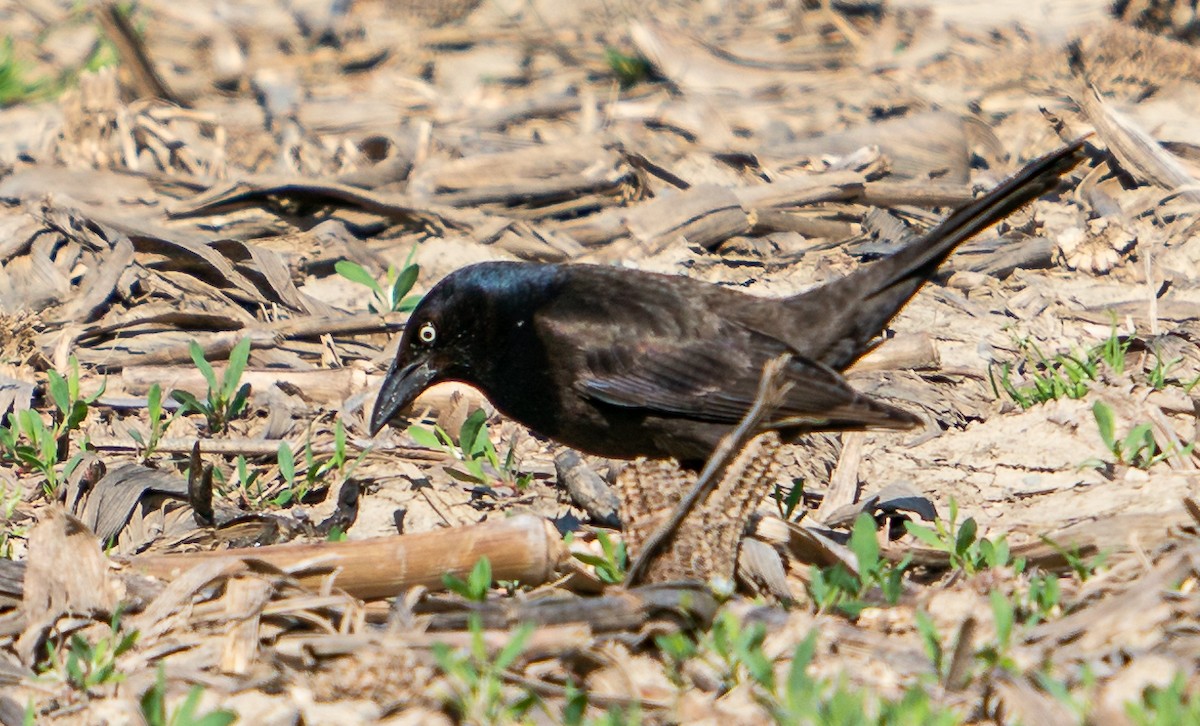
788 502
475 588
967 551
245 483
996 654
1043 598
316 467
838 588
1083 567
292 492
478 693
1062 376
738 648
15 84
931 640
678 649
1139 448
71 407
1166 706
1113 351
8 530
474 451
1081 702
630 70
154 707
90 665
1159 376
159 423
392 296
612 562
226 399
802 699
733 649
29 443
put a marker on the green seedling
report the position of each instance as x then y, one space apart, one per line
159 423
803 699
71 407
1174 704
931 640
1139 448
836 587
292 492
475 588
247 484
1062 376
997 654
1083 568
788 502
478 693
153 705
316 467
8 531
1113 351
15 84
89 665
967 551
29 443
1159 376
392 296
612 562
226 399
630 70
474 451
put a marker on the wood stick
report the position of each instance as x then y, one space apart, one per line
523 548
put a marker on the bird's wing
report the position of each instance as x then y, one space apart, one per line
710 383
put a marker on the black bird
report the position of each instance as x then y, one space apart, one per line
624 363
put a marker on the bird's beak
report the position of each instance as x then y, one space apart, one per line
400 387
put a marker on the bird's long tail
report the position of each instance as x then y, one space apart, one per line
855 308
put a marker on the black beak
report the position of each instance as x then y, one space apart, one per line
400 387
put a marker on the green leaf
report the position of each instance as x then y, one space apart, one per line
1139 439
154 402
238 404
403 284
287 462
966 536
355 272
925 534
472 438
408 304
1106 422
205 367
59 392
78 412
238 357
863 543
189 402
1002 611
479 581
424 437
153 702
513 648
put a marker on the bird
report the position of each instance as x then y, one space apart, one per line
624 363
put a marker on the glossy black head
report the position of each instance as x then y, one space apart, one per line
454 332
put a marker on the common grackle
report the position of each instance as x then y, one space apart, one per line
624 363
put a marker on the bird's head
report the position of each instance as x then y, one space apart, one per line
452 334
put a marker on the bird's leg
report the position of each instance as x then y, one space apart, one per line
771 392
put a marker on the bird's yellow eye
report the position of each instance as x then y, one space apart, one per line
427 334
